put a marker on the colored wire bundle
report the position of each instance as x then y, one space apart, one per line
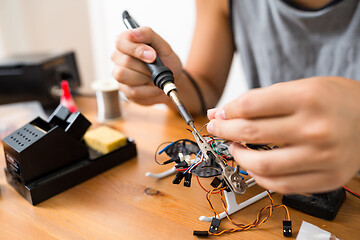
243 227
181 151
181 146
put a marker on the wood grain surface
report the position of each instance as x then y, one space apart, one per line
114 205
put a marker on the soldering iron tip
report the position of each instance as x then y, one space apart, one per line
125 14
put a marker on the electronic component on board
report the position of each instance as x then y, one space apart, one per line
193 162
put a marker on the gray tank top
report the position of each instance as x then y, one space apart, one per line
278 42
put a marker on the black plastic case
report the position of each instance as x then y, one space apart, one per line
44 158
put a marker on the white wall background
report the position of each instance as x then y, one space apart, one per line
38 26
173 20
90 28
12 29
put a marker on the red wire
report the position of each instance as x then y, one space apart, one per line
181 170
198 162
197 178
347 189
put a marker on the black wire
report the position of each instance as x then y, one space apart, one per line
352 193
198 91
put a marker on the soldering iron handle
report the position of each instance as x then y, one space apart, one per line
162 76
159 73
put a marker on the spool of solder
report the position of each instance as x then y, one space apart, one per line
108 101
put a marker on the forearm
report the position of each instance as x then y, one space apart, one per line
210 57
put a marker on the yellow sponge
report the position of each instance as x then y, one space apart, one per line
104 139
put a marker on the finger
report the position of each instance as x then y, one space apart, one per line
211 113
139 92
130 77
148 36
305 182
130 62
276 100
135 43
128 46
280 161
263 130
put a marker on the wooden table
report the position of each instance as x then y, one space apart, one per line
114 205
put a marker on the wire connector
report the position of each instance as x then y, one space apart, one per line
215 182
187 181
168 161
287 229
215 223
179 176
182 165
201 233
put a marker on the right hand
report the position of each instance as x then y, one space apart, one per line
133 48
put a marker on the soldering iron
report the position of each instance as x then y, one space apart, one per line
162 77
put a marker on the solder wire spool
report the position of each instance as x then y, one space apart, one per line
108 101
